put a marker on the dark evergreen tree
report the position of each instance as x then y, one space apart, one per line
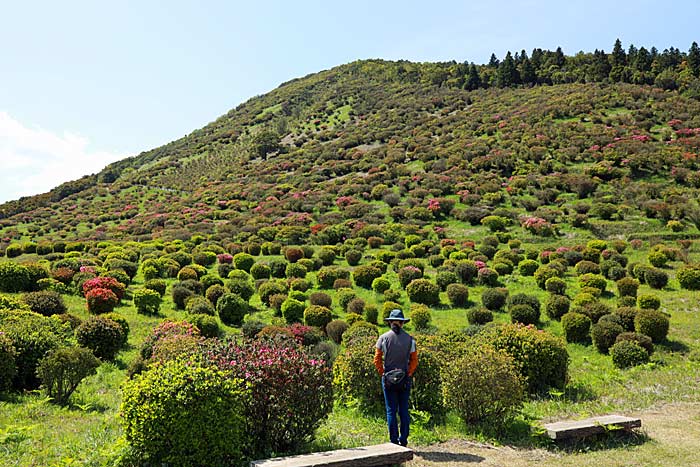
473 78
618 56
527 72
507 72
694 59
643 60
493 61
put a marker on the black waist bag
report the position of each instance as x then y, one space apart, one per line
395 377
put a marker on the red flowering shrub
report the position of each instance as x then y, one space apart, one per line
101 301
64 275
285 413
538 226
109 283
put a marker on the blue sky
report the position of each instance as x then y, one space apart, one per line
84 83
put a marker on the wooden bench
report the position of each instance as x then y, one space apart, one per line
366 456
590 426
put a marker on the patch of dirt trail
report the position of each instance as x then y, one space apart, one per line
673 440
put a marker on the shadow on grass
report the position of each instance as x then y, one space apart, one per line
614 439
449 457
674 346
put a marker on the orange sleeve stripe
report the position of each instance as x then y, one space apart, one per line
379 361
412 363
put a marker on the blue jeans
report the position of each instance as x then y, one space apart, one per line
396 400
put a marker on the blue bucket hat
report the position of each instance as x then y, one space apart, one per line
397 315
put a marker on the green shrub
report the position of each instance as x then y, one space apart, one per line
527 267
627 287
593 280
468 386
555 285
652 323
524 314
655 278
487 277
159 285
353 318
657 258
371 313
543 273
8 367
147 301
252 328
328 275
180 296
295 270
627 354
494 299
576 327
13 250
445 278
101 335
423 291
260 271
321 299
360 330
243 261
353 257
63 369
354 375
642 340
241 287
356 305
183 413
198 305
327 256
649 302
689 277
540 357
626 302
344 297
121 321
557 306
586 267
604 334
594 310
381 284
426 388
45 302
209 279
269 288
335 330
293 310
365 275
316 315
208 325
421 317
32 336
479 315
524 299
458 295
627 315
232 308
14 277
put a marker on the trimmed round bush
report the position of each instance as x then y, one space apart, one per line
655 278
232 308
335 330
316 315
260 271
109 283
423 291
642 340
586 267
32 336
594 310
557 306
540 357
524 314
243 261
355 378
8 367
626 302
326 255
101 335
180 295
295 270
214 292
527 267
628 353
445 278
479 316
269 288
356 305
657 258
371 313
187 273
604 334
63 369
409 273
183 413
241 287
627 287
421 317
487 277
468 386
689 277
293 310
198 305
649 302
381 284
365 275
652 323
159 285
555 285
494 299
627 315
326 276
543 273
353 257
321 299
148 301
595 281
458 295
101 301
45 302
14 277
344 297
524 299
576 326
353 318
208 325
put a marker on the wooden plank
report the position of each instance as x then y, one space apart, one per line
590 426
366 456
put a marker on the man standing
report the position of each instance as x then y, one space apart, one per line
396 353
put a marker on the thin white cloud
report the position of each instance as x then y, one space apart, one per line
34 160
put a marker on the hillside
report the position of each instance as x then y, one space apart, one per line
389 137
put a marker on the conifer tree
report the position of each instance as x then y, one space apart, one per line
694 59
